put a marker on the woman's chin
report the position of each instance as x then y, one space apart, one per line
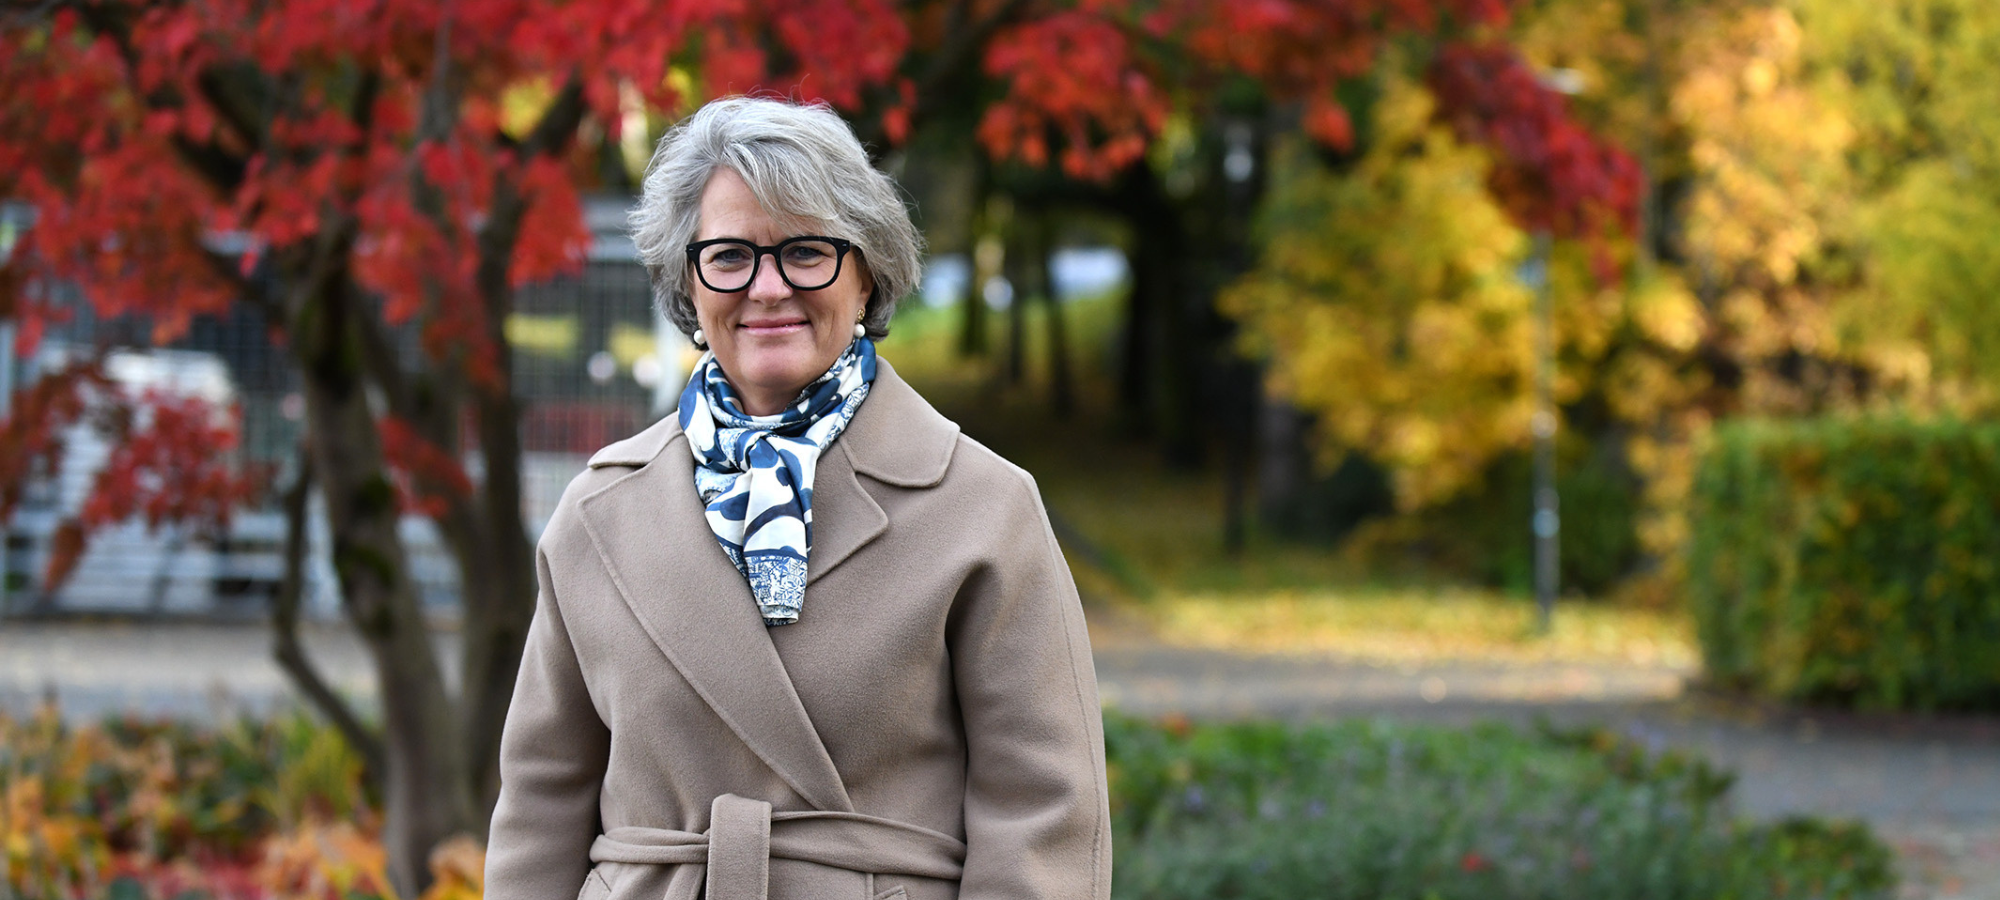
774 376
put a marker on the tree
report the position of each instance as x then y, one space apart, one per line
1910 83
401 169
1163 116
393 168
1816 191
1386 301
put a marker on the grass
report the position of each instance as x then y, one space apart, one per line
1413 626
1147 539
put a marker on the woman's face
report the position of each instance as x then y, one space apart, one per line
771 339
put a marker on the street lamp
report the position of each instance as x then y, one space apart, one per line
1546 523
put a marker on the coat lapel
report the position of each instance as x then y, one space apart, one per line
650 529
895 438
656 545
845 517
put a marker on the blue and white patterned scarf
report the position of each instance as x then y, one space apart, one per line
756 472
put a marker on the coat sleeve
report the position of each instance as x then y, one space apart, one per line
1036 811
553 754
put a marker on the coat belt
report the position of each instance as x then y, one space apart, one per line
744 836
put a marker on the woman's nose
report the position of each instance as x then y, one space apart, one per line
769 284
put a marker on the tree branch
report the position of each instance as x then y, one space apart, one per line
285 647
952 60
558 123
30 10
384 365
223 170
222 91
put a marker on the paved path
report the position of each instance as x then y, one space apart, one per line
1931 785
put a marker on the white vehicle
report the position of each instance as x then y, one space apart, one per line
128 567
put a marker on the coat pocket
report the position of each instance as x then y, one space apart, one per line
894 893
594 887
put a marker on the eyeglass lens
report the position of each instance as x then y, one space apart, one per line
806 264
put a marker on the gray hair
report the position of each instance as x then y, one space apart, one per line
805 167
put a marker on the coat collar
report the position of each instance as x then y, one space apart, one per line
650 529
895 437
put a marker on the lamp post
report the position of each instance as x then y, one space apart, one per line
1547 520
1546 524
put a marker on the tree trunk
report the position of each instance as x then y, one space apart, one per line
425 788
288 651
1240 382
496 622
1062 390
1153 343
497 616
1018 264
972 310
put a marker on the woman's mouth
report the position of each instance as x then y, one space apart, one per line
773 327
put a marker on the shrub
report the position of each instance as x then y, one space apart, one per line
149 811
142 809
1484 534
1374 810
1850 561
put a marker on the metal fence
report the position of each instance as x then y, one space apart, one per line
592 363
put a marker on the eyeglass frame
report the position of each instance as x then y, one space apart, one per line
841 246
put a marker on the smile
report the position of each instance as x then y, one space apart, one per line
773 329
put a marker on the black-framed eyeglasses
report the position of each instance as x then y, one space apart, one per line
807 263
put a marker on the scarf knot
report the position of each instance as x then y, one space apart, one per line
755 473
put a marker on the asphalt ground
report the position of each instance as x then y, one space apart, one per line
1929 784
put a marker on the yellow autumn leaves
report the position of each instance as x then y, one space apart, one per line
272 809
1387 303
1824 195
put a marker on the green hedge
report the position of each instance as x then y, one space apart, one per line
1851 561
1483 535
1364 810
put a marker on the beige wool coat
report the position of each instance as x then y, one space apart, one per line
929 729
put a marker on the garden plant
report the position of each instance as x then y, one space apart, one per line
277 808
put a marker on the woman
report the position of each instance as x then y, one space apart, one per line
803 640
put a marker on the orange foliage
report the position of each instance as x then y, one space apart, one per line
166 810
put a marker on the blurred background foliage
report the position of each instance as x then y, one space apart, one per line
1815 240
1851 562
1356 362
1304 422
1371 809
145 810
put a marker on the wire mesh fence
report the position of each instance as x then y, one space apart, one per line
592 363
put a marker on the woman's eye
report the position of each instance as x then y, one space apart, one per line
806 254
728 257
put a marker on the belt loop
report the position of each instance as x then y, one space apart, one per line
739 849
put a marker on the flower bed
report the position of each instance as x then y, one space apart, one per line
276 810
1369 810
138 810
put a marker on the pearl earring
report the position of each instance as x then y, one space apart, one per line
700 339
860 330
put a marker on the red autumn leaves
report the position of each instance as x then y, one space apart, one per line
1089 89
1548 171
170 151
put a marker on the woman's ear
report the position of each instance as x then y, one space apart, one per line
867 274
867 280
